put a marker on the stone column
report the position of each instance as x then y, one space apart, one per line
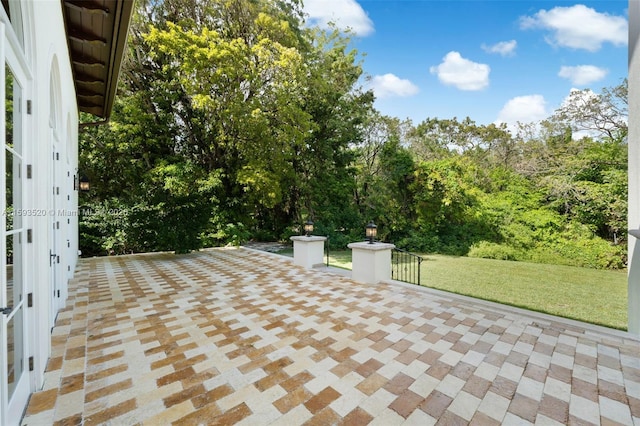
371 263
308 251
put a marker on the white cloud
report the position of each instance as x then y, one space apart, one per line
462 73
523 109
579 27
504 48
582 75
344 13
389 85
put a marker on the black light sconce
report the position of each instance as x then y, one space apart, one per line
308 227
83 184
371 231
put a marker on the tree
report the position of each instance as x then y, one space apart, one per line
590 186
447 206
385 170
604 114
235 121
324 165
232 116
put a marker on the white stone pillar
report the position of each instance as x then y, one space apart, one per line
308 251
633 288
371 263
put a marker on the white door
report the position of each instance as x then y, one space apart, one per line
55 251
14 386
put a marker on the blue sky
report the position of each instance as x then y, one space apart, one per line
494 61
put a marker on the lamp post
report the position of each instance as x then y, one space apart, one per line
371 231
308 227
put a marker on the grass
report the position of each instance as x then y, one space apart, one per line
590 295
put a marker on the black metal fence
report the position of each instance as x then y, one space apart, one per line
326 250
405 266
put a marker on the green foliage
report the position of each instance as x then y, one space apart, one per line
546 237
443 193
488 250
234 122
104 228
529 230
385 170
446 203
231 233
590 186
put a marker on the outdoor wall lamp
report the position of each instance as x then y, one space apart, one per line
371 231
84 184
308 227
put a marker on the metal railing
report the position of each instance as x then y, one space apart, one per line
326 250
405 266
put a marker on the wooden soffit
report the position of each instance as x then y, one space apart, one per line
97 35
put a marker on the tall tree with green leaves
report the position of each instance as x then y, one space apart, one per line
385 169
230 115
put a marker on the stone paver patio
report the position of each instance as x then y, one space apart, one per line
236 336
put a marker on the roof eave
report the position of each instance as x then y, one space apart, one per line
117 53
97 32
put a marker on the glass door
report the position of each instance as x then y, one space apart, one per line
14 386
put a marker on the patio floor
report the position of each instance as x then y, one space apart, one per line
228 336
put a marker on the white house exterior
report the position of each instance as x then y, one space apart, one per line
634 168
60 57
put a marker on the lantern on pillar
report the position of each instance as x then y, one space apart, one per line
308 228
371 231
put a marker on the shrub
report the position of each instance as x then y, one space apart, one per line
488 250
230 233
420 242
104 228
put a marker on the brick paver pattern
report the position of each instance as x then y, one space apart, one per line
235 336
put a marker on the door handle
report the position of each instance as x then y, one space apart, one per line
51 257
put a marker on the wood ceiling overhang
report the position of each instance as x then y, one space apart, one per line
97 35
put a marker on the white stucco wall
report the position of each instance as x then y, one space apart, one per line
48 50
634 168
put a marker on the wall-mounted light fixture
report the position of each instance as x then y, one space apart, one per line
84 184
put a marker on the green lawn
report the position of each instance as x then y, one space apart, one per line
591 295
